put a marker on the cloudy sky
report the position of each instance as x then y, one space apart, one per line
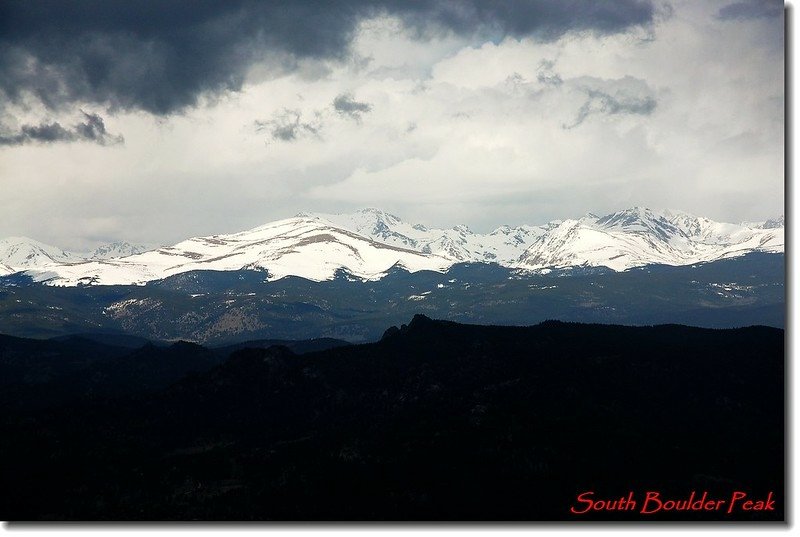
151 121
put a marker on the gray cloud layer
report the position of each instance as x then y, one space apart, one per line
751 9
161 56
288 126
627 95
91 130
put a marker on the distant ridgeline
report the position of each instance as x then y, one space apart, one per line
436 421
222 307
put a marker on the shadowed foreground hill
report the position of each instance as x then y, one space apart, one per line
436 421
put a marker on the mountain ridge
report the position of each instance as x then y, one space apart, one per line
368 243
20 253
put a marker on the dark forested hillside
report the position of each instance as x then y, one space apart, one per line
437 421
225 308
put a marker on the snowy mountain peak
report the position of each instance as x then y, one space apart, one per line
116 249
378 213
640 220
630 217
23 252
502 230
774 224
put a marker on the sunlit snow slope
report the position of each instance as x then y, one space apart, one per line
304 247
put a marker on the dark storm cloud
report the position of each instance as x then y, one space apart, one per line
627 95
346 105
751 9
161 56
288 126
91 130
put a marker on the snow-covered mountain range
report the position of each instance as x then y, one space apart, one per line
637 237
21 253
504 245
622 240
368 243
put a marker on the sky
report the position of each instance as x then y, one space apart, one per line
152 122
